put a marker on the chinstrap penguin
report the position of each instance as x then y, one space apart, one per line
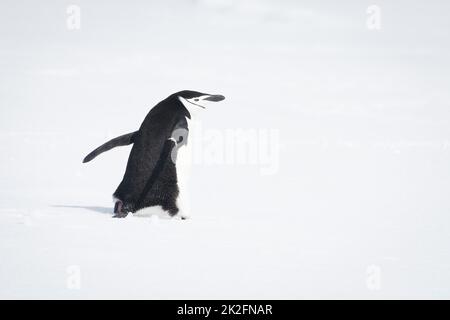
150 179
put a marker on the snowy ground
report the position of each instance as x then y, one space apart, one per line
346 195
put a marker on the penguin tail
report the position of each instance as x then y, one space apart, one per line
123 140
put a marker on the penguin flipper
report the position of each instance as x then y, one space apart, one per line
123 140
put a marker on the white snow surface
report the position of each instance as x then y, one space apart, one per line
356 204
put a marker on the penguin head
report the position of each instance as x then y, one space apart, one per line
199 99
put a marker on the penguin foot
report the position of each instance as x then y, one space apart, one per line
118 210
120 215
181 216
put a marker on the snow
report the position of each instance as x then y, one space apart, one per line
341 190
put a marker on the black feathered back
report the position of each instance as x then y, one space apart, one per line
150 177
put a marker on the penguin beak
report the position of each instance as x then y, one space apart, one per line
215 98
206 97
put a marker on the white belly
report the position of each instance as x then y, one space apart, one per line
183 165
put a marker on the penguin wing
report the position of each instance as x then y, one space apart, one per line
123 140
